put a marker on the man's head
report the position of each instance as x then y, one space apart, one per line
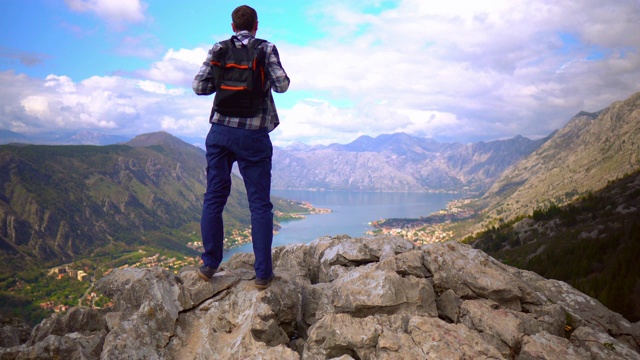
244 18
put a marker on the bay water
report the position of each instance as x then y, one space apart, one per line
351 213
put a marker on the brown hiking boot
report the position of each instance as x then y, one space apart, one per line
206 273
262 284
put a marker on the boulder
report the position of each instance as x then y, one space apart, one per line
339 298
471 273
82 320
602 345
448 305
546 346
13 332
240 322
146 307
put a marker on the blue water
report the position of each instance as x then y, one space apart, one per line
351 213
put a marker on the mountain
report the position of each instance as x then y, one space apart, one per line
571 209
95 138
337 298
61 203
398 162
592 243
7 136
62 138
587 153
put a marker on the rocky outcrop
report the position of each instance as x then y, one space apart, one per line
13 332
341 298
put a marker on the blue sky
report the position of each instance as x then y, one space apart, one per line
458 70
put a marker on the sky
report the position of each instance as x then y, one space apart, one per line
454 71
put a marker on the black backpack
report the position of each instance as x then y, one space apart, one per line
240 78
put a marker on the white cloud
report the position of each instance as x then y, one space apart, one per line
499 69
62 84
177 67
316 122
37 106
108 103
190 125
158 88
455 70
114 12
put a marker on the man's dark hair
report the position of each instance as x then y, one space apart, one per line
244 18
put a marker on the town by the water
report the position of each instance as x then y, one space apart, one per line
421 231
425 230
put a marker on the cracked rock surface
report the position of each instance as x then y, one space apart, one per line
340 298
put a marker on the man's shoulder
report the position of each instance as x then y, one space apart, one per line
266 45
263 42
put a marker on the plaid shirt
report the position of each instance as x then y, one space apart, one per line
277 79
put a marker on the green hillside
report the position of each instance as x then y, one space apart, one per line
61 203
101 207
592 243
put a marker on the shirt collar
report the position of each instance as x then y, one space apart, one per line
243 34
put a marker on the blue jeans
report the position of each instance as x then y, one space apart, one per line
252 150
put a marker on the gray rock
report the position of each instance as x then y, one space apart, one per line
69 346
11 353
339 298
586 311
602 345
194 291
394 337
292 261
240 322
78 319
448 305
440 340
339 257
408 263
337 335
367 291
497 325
146 307
549 318
13 332
473 274
543 345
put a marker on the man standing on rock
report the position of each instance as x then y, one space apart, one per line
242 72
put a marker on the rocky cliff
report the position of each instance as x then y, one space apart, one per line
340 298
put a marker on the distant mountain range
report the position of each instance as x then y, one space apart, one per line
57 202
78 138
62 138
398 163
388 163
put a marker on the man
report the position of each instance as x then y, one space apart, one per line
244 139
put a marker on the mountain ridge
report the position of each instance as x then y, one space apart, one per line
398 162
587 153
61 202
591 243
